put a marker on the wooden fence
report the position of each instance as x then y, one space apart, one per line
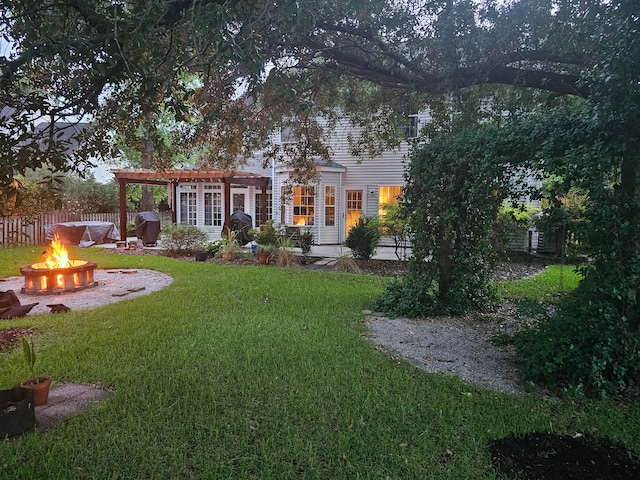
29 230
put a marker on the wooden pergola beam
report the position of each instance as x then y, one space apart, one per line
171 178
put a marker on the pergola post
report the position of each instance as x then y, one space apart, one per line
123 209
263 204
227 202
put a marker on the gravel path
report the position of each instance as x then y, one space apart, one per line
458 346
451 346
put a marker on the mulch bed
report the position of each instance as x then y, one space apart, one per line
9 337
546 456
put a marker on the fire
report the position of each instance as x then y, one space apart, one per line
56 255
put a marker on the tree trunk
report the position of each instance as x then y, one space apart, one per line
147 203
444 264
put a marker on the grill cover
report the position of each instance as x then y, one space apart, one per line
147 227
82 233
241 223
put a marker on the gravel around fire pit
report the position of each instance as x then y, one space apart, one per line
113 285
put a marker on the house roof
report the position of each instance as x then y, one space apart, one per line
188 175
66 133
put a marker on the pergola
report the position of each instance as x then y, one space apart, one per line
171 178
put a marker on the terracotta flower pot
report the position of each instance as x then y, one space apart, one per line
40 389
263 257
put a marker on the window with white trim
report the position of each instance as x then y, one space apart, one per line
410 129
389 195
329 205
288 135
304 202
188 204
258 209
213 205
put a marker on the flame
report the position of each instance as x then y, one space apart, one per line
301 222
56 255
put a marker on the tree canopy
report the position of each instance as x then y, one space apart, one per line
119 63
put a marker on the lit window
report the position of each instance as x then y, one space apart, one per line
329 205
388 196
304 199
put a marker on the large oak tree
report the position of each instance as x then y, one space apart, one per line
120 61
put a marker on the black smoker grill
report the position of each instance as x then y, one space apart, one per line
148 228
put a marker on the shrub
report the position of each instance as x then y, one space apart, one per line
306 241
268 235
346 263
587 348
181 238
363 238
407 297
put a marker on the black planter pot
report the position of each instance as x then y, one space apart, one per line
17 412
201 256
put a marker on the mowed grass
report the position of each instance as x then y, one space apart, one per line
260 372
546 286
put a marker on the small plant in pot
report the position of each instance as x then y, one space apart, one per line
200 252
229 245
40 384
306 241
265 251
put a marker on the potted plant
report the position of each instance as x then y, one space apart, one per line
306 241
200 252
267 239
40 384
265 251
229 245
17 412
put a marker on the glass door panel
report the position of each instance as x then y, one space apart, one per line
353 208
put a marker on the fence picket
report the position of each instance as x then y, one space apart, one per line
29 230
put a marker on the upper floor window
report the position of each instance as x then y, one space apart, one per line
288 135
410 129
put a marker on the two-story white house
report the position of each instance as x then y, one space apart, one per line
347 188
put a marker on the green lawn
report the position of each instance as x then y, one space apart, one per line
259 372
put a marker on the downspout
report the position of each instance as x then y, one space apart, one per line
273 184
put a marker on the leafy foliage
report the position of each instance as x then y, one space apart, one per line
363 238
585 349
89 196
180 238
306 242
453 193
164 75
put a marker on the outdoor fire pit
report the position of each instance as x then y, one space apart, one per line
57 274
39 278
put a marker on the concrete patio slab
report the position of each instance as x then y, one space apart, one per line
67 400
